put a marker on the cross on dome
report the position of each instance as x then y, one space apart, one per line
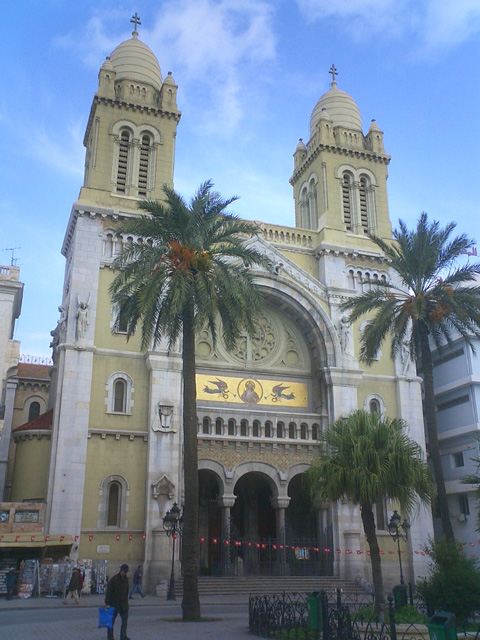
334 73
136 21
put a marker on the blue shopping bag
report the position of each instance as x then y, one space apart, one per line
105 617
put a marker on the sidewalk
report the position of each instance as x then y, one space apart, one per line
97 600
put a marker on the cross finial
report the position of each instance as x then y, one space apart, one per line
334 73
136 21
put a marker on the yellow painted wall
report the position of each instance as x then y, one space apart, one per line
30 473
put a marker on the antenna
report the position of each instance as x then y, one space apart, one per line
13 260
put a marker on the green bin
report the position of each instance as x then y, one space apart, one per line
400 596
441 626
314 609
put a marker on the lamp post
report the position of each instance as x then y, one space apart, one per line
394 527
173 524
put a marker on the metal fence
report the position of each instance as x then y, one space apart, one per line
342 617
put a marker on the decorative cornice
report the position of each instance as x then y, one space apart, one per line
131 435
364 153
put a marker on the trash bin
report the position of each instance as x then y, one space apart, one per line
441 626
400 596
314 609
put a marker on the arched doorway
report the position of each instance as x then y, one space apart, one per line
308 535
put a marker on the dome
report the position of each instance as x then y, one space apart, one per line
133 60
341 108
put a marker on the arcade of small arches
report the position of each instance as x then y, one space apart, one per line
256 429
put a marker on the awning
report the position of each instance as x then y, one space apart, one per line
17 540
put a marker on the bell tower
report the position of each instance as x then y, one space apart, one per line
340 175
130 135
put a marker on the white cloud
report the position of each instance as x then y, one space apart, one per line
217 44
429 25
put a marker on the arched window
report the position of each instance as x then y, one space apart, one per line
303 431
119 388
143 166
256 429
206 426
280 429
268 429
292 427
113 504
33 411
122 168
244 428
374 406
218 427
304 208
119 395
231 427
347 200
315 431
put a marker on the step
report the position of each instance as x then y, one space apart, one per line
255 585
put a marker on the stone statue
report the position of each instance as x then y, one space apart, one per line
405 356
82 318
344 333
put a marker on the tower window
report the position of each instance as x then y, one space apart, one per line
124 147
280 429
143 166
363 204
292 427
347 201
268 429
231 427
256 429
218 427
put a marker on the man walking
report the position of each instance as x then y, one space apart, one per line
117 596
137 583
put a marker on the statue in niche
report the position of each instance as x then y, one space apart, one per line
344 333
82 318
405 356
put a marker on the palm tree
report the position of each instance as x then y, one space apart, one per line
431 299
189 266
366 458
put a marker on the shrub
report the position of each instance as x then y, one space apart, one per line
454 582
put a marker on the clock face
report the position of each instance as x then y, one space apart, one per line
3 516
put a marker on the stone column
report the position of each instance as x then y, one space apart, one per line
226 503
280 504
10 389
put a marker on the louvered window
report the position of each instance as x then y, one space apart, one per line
124 146
363 205
347 203
143 167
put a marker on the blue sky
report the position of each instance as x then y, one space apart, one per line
249 74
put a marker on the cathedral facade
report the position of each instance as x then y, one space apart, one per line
115 461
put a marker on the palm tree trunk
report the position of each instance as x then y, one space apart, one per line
191 600
431 423
368 521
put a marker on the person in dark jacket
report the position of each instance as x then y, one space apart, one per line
73 585
11 581
117 596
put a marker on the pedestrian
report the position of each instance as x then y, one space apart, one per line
11 580
73 585
117 596
137 583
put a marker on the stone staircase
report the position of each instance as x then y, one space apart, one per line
254 585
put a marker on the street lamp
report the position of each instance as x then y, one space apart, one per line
394 527
173 525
